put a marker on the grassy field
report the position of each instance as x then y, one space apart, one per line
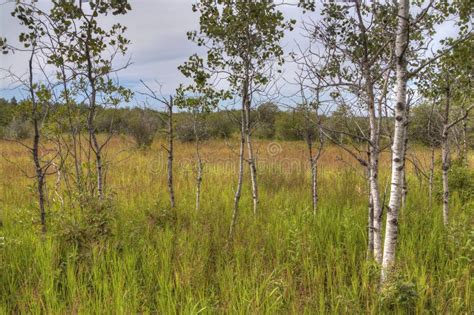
138 256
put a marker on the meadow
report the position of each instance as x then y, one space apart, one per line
136 255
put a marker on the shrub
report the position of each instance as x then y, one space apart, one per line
220 125
143 125
399 293
185 130
87 228
461 180
19 129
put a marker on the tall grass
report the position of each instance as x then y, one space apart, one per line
145 258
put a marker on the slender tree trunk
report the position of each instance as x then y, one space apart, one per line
39 172
374 183
431 176
170 153
404 171
98 159
199 165
445 170
39 176
90 123
238 191
374 129
376 205
432 159
314 174
73 131
391 232
445 158
370 225
251 155
464 140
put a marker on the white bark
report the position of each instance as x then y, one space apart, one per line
374 138
445 170
431 176
313 162
391 232
370 231
238 191
199 165
445 161
464 140
251 155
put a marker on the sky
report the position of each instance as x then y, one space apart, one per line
157 31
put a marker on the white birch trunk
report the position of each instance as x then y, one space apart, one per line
370 225
445 151
199 165
238 191
391 232
445 171
464 140
251 157
431 176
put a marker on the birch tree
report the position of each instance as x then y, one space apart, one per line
202 100
242 42
413 36
167 119
358 40
89 50
38 102
445 84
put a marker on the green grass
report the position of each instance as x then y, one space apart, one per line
148 259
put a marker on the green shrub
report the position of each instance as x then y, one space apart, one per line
399 293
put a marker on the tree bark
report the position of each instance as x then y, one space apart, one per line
94 144
251 155
374 136
39 172
199 165
445 170
405 148
238 191
445 158
431 176
314 174
464 140
170 153
370 225
391 232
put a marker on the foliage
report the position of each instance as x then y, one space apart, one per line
88 227
461 181
18 129
399 292
142 125
185 128
265 117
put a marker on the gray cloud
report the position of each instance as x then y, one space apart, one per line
157 30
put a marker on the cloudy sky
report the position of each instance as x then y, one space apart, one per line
157 30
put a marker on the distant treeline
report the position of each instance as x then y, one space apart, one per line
268 121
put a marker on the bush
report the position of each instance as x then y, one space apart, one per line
220 125
265 120
461 180
185 129
399 293
19 129
143 125
87 228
